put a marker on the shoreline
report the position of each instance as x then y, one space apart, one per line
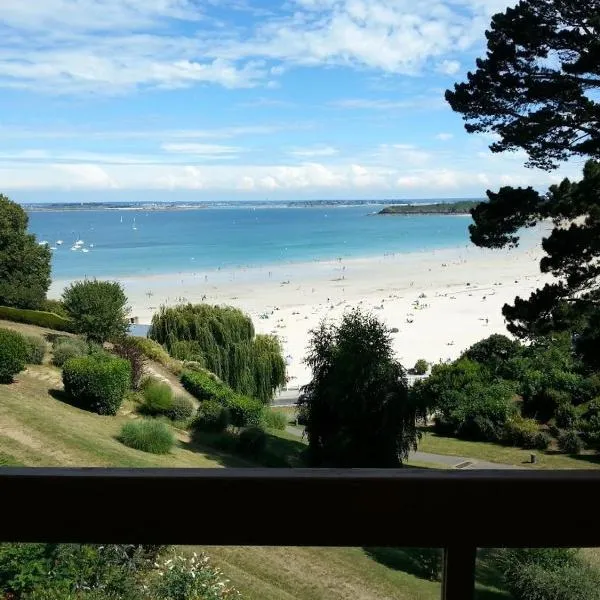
440 301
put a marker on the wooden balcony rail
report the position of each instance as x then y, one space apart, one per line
458 511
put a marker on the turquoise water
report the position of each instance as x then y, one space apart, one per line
123 243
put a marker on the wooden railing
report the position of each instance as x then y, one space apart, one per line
457 511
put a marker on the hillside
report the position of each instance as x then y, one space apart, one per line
462 207
38 428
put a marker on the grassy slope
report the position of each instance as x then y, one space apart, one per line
503 454
37 428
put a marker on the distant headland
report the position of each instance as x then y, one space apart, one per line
463 207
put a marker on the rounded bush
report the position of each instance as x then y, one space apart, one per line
36 349
211 416
148 435
97 383
525 433
13 354
245 412
65 348
570 442
181 409
158 398
566 416
252 441
272 419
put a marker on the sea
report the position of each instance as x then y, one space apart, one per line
127 243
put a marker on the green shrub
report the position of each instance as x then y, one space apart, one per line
36 349
148 435
245 412
191 578
151 349
252 441
421 367
211 416
525 433
67 348
181 409
549 573
158 398
13 354
97 383
39 318
569 442
566 416
272 419
206 386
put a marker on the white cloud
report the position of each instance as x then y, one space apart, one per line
431 102
449 67
116 46
214 151
444 137
314 152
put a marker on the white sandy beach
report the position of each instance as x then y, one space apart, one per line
440 301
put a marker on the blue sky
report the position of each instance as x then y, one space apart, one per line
242 99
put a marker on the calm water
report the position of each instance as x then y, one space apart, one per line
128 243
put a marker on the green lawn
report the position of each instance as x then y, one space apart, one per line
504 454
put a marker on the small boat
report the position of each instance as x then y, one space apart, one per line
91 245
74 248
79 243
52 247
59 242
85 250
43 243
134 227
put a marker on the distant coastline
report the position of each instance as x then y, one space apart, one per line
462 207
254 204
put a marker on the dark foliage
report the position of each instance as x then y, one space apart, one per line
211 416
537 90
24 265
570 442
536 86
252 441
357 405
13 354
494 352
98 309
131 352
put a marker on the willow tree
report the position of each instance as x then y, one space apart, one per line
222 339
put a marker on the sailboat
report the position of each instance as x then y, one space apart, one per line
134 227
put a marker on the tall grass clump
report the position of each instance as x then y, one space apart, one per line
65 348
158 398
36 349
223 340
148 435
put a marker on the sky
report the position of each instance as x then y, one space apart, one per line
243 99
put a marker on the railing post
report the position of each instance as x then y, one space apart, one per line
459 573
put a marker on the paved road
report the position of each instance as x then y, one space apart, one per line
286 398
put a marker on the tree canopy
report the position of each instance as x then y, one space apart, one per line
98 309
537 86
536 91
24 264
357 408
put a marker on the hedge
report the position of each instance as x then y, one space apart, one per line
13 354
37 317
243 411
206 386
97 383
